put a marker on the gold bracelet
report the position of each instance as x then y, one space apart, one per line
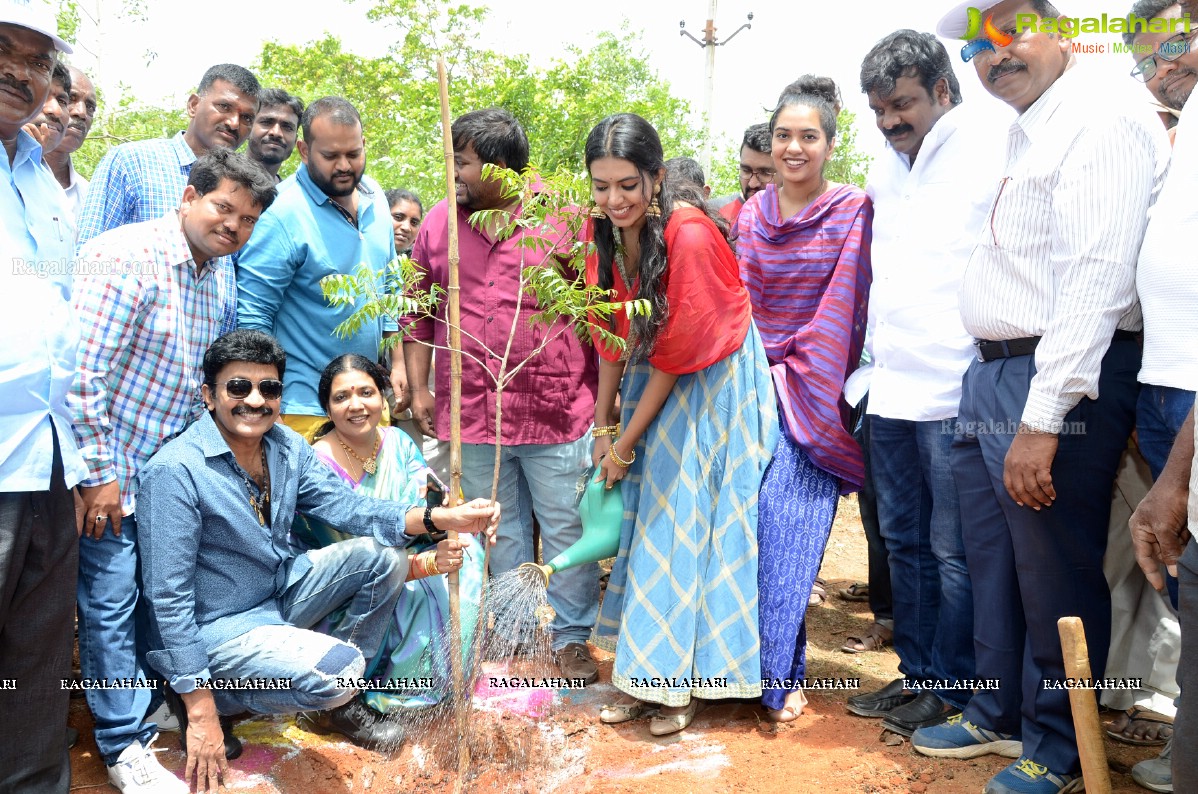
430 564
608 430
623 464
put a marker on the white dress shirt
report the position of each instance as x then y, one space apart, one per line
38 329
1058 255
1167 276
927 217
76 191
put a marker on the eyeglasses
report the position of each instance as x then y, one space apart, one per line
763 174
1170 49
240 388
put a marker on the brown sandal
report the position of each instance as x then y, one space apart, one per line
875 638
1121 729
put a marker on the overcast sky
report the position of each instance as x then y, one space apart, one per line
788 38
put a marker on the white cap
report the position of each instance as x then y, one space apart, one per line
955 24
36 15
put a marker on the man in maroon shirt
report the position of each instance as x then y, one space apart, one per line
756 169
547 408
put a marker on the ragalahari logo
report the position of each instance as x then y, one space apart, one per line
981 36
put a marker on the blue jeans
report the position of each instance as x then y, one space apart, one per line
360 575
1160 412
112 638
920 518
546 480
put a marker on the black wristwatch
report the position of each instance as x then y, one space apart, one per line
429 526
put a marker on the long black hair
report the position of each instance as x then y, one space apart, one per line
627 136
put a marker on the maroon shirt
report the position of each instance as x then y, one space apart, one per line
552 399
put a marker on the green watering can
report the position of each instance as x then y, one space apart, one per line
602 513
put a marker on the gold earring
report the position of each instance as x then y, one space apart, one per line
596 212
654 208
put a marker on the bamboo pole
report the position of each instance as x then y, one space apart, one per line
1090 746
460 695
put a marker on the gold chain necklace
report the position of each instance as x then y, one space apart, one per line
369 465
261 503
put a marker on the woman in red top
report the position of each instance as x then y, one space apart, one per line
699 424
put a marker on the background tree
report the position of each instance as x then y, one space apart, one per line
558 104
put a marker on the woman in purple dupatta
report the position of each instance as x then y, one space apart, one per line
803 248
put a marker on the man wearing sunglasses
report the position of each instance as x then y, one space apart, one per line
231 605
149 303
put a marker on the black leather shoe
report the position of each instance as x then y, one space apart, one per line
881 702
72 737
357 722
233 746
925 711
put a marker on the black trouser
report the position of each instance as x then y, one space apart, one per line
1185 728
1029 567
867 501
39 560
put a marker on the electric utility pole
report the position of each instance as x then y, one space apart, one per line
709 43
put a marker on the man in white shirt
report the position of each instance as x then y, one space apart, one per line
1161 537
931 191
39 462
1046 410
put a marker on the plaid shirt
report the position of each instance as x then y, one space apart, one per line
147 313
142 181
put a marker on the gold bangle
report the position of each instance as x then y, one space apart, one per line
623 464
608 430
430 564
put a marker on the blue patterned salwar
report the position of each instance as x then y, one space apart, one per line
798 504
682 600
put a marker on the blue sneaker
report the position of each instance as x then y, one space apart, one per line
958 738
1156 774
1025 776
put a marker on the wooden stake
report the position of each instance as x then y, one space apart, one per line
460 695
1090 744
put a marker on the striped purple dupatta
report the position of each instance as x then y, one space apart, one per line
808 279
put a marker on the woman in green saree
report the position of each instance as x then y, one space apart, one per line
385 463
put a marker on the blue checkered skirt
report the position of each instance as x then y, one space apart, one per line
681 608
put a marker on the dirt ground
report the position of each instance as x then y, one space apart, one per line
546 740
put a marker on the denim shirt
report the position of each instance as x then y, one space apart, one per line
211 571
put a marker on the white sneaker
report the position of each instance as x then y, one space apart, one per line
137 771
164 718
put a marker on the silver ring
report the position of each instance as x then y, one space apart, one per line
101 518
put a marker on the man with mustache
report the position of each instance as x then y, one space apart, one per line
1168 288
142 180
1170 69
49 125
276 127
931 191
330 218
78 115
39 462
149 303
1047 407
756 169
231 601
